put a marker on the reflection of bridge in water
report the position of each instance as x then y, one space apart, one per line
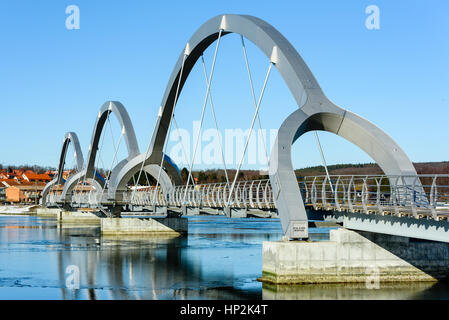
169 268
162 267
398 203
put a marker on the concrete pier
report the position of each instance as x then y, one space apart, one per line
210 211
190 211
78 217
48 212
255 213
352 256
64 216
158 210
141 226
235 212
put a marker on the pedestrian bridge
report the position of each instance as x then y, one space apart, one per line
400 202
373 197
371 194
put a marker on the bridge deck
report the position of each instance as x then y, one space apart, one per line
422 197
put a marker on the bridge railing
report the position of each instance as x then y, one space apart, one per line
145 196
419 195
53 198
80 198
255 194
90 198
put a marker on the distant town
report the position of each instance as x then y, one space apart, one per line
24 185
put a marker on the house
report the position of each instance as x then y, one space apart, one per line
24 186
51 173
24 193
3 174
12 174
8 182
18 172
30 176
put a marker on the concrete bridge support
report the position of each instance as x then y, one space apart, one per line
78 217
144 226
48 212
235 212
190 211
355 256
66 216
159 209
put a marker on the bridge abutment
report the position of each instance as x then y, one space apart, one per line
355 256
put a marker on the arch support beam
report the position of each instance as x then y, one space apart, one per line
321 114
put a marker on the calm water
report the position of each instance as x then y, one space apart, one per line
220 258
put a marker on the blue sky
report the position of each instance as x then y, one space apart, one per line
54 80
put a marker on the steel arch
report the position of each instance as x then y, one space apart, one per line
304 88
122 116
316 113
69 137
271 42
308 95
321 114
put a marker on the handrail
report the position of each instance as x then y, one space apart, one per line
418 196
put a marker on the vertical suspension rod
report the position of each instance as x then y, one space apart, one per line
182 144
323 160
202 113
249 134
253 94
216 125
108 177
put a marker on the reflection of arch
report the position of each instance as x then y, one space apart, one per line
289 63
130 138
321 114
70 137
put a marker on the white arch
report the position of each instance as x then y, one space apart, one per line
69 137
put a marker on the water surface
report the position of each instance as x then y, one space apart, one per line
221 258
